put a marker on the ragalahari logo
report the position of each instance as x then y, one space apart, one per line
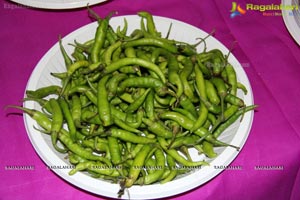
236 10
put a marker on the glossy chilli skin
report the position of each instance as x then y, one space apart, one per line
129 102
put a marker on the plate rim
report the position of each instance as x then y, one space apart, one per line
290 22
211 173
57 5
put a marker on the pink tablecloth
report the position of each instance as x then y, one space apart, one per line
271 60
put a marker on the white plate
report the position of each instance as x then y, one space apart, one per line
53 62
58 4
291 19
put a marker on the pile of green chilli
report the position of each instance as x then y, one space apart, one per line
134 105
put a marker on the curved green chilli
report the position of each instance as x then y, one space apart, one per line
242 87
130 137
181 119
172 167
232 80
85 90
99 40
76 65
211 92
122 33
109 51
173 69
232 119
96 167
67 59
143 82
188 105
184 141
149 105
113 82
234 100
122 124
43 91
184 76
138 102
159 168
114 149
68 117
180 159
137 165
157 128
208 149
185 113
152 42
200 83
103 104
42 102
218 63
114 66
76 110
56 123
150 23
221 89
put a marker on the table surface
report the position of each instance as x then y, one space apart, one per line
268 53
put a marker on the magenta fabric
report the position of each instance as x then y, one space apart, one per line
268 53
